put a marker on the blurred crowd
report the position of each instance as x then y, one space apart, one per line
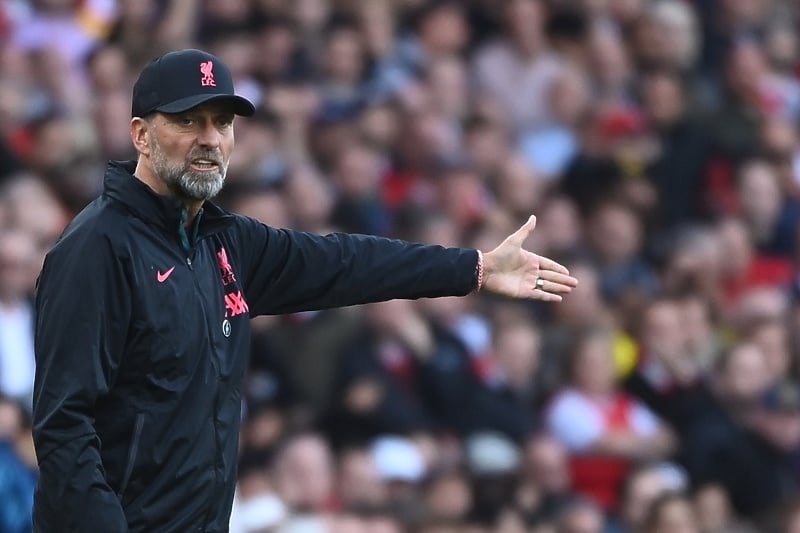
658 143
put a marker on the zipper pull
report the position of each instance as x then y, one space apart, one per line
189 263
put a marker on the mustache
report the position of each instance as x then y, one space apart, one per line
215 157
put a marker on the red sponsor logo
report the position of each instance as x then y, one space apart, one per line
235 304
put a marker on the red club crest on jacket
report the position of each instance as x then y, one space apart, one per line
225 267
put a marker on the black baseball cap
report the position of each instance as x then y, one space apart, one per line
178 81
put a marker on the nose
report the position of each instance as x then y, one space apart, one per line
209 136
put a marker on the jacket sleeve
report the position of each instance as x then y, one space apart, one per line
83 307
289 271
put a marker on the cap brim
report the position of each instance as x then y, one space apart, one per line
241 106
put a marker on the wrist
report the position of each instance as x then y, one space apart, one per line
480 273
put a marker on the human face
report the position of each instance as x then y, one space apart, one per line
546 464
594 368
304 473
676 516
745 377
191 150
517 353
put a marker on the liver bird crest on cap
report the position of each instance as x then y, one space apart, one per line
206 68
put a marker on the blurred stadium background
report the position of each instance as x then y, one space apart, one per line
656 140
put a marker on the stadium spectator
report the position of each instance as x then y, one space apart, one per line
681 113
606 431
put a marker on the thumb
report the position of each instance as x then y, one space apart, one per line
519 236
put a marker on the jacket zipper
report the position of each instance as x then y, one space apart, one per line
132 451
216 371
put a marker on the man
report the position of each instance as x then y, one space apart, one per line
143 308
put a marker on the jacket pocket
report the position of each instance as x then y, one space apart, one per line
132 451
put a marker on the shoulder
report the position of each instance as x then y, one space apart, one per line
569 401
574 420
250 232
247 232
101 225
245 223
492 51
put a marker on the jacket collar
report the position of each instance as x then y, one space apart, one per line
163 211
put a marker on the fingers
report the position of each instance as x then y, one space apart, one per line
523 232
549 286
552 287
546 263
544 296
556 288
551 291
558 279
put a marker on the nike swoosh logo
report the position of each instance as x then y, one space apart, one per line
163 277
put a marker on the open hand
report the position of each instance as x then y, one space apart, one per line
510 270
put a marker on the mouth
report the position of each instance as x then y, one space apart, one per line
204 165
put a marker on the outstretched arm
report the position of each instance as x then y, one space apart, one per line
287 271
511 270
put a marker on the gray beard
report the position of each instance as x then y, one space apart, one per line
186 183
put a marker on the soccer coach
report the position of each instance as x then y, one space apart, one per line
143 309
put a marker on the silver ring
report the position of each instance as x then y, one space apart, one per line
540 283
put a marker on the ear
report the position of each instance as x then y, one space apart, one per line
141 130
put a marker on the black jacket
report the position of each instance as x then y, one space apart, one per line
142 340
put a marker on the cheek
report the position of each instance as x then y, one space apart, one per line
227 147
172 149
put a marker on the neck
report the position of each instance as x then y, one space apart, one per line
192 207
9 302
527 47
23 445
145 174
599 395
